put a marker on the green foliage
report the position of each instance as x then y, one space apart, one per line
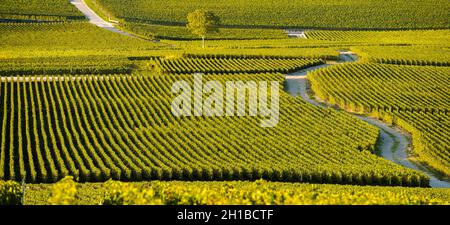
64 192
10 193
182 33
353 14
97 127
118 193
66 38
408 47
239 192
39 10
219 65
397 38
430 136
264 193
267 53
378 86
121 127
413 97
201 23
65 65
409 55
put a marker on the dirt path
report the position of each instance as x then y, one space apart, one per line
393 143
96 19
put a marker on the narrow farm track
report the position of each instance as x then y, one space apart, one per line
393 144
96 19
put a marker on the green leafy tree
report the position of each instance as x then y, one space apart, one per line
201 23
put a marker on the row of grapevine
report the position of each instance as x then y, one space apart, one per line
249 56
98 127
152 31
367 87
233 65
65 65
430 136
10 193
260 49
383 38
68 39
414 98
286 13
43 10
431 49
414 62
262 192
68 192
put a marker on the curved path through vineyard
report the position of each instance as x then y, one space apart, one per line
96 19
394 143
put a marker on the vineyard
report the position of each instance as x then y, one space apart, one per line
42 10
354 14
233 65
231 192
27 40
182 33
264 52
409 47
382 37
65 65
385 87
79 39
413 97
98 127
418 56
86 113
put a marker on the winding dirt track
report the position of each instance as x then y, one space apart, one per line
94 18
393 144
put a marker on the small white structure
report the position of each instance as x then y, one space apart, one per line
296 33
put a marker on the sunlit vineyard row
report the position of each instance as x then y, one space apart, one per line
86 114
286 13
438 55
75 38
65 65
430 136
264 52
42 10
413 97
386 87
153 31
382 37
233 65
225 193
80 39
121 127
410 62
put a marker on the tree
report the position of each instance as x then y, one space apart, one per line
201 22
